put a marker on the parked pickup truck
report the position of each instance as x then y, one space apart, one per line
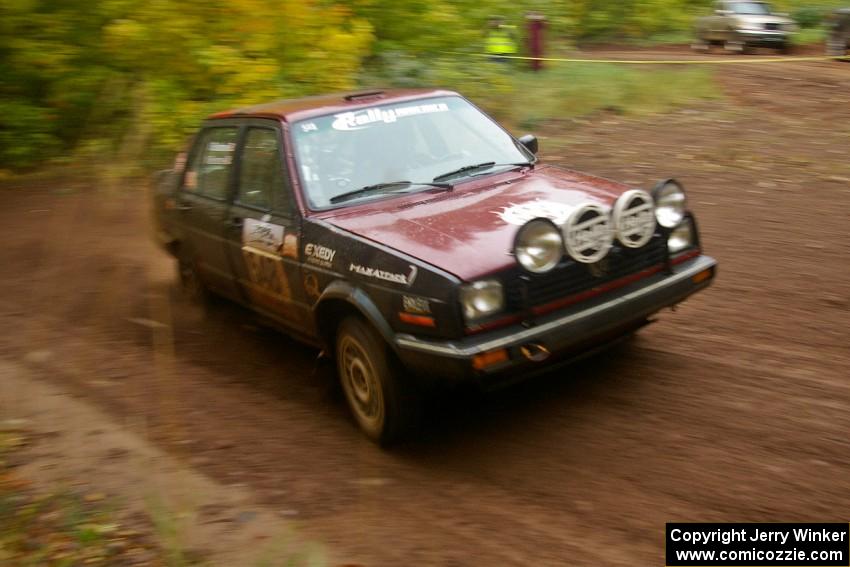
413 239
738 26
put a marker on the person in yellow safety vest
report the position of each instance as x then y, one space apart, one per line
500 40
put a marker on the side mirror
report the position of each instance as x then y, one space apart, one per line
530 142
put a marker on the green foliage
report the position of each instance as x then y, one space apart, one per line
128 80
809 36
140 73
809 16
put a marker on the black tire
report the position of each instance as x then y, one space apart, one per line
385 404
786 48
836 47
700 45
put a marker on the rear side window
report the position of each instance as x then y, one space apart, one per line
261 182
211 162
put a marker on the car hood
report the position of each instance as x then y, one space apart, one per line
470 231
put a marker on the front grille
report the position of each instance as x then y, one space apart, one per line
773 27
572 277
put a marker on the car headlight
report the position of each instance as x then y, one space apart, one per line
482 298
682 237
670 203
539 246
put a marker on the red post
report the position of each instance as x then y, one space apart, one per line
535 23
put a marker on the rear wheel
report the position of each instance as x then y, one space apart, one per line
836 47
700 45
384 403
190 281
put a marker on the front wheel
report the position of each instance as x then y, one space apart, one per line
384 403
735 46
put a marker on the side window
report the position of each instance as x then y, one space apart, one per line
261 176
209 168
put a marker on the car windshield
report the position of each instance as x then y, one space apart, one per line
379 147
751 8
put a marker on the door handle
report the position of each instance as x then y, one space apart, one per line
183 207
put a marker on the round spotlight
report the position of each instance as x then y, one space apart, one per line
588 235
681 237
539 246
634 218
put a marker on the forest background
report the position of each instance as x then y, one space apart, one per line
126 81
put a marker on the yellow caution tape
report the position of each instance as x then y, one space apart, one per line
659 61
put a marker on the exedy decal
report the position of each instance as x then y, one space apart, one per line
403 279
319 255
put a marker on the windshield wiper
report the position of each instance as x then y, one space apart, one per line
486 164
381 187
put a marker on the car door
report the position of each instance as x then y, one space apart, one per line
265 228
202 204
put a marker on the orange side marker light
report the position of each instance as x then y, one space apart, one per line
485 359
419 320
702 276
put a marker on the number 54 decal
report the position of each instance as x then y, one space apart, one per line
267 274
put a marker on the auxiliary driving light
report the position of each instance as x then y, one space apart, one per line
681 237
539 246
670 203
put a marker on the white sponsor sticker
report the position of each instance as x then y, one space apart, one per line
364 118
403 279
522 213
219 160
319 255
413 304
221 147
262 235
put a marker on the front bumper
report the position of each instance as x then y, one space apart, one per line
765 38
563 333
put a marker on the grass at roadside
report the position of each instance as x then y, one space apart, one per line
66 527
810 36
677 37
520 98
570 91
62 527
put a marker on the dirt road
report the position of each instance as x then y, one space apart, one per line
732 409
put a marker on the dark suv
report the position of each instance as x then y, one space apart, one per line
410 235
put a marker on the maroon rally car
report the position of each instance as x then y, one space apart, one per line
410 235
